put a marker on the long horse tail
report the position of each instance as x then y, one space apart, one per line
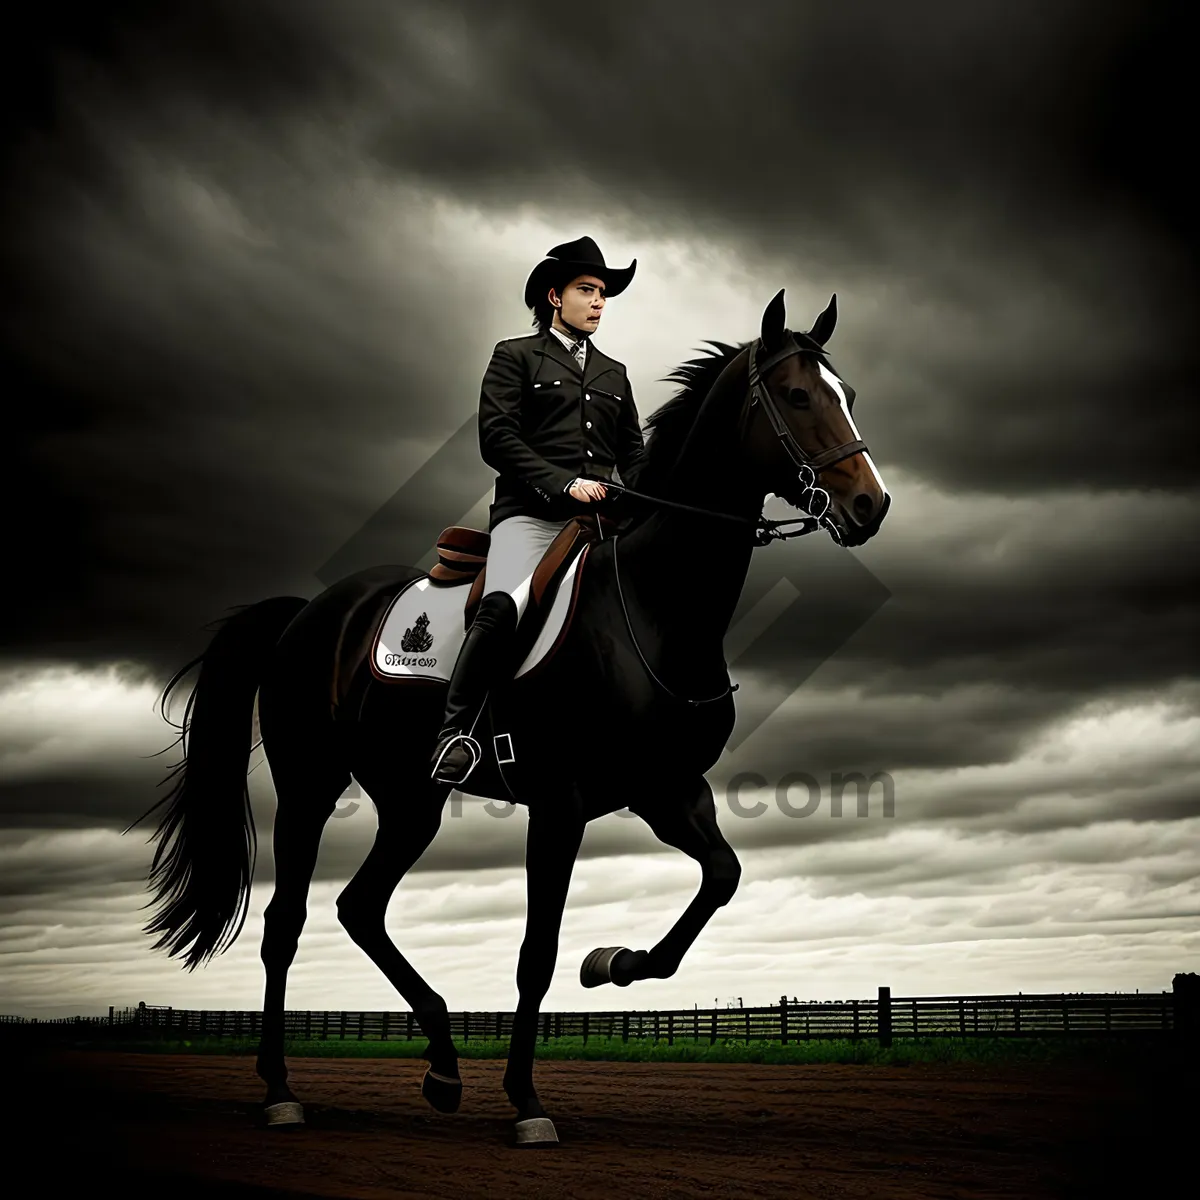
207 843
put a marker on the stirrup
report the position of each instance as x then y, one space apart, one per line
471 744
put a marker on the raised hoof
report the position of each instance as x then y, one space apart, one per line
597 966
536 1131
287 1112
444 1093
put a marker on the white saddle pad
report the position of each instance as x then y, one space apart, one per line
422 631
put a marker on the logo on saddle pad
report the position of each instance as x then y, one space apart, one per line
417 639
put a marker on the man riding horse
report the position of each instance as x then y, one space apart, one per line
556 415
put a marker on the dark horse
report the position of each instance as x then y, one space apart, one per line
644 648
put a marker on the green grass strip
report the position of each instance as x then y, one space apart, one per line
599 1049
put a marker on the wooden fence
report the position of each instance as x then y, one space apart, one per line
883 1018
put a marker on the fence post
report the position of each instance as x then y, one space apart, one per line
885 1016
783 1030
110 1015
585 1028
1186 993
712 1040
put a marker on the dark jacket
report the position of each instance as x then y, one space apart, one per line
543 423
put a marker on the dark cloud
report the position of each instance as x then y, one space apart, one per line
201 349
231 334
81 800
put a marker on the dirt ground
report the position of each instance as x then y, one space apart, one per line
174 1126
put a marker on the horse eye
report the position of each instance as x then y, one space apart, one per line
798 397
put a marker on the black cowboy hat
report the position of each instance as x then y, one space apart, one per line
580 257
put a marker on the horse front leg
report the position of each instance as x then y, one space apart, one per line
689 825
555 833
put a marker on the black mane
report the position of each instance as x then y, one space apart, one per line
667 428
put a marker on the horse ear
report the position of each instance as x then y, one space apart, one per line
774 316
822 329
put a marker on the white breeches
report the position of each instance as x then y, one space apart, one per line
516 548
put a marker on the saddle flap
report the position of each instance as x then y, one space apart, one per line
569 538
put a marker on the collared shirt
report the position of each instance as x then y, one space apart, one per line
577 348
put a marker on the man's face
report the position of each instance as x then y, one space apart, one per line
583 302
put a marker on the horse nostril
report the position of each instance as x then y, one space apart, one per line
864 507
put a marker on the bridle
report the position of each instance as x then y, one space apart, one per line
816 499
759 392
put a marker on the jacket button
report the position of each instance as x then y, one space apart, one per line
587 395
557 382
588 424
589 454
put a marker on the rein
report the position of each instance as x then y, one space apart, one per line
765 530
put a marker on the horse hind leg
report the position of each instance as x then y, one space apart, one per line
410 814
305 803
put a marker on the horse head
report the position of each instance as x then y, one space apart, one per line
798 431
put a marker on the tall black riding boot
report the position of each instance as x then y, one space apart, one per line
483 653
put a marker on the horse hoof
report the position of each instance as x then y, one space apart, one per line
288 1112
597 967
443 1092
536 1131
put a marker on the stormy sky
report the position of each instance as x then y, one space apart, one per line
255 260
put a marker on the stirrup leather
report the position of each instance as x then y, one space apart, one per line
471 744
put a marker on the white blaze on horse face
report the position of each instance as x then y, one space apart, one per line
835 383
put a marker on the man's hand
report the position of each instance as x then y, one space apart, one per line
587 489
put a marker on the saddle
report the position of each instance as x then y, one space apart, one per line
430 621
462 557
